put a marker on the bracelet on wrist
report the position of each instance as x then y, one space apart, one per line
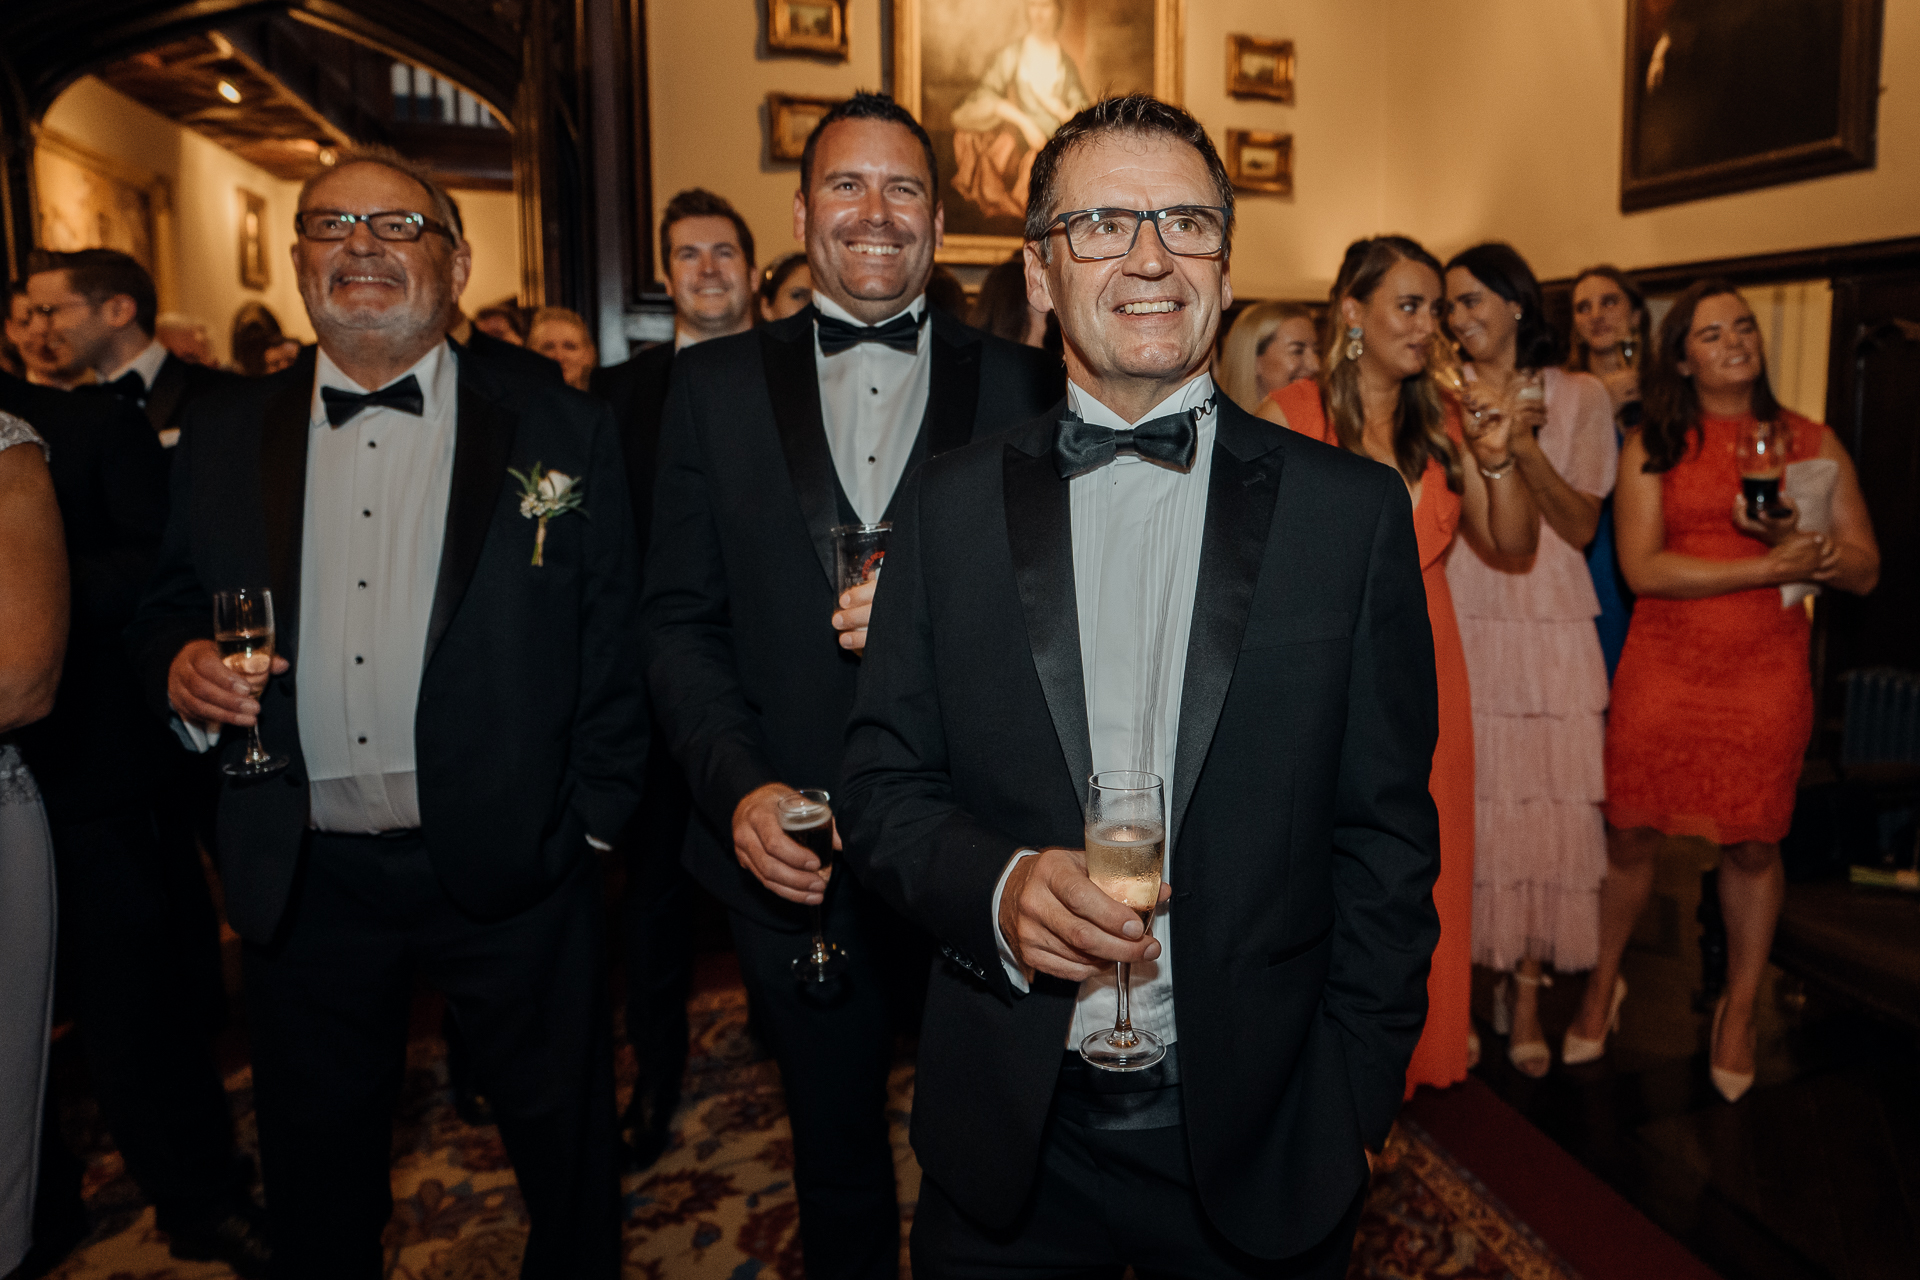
1499 469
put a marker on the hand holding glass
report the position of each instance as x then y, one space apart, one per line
1126 853
243 630
807 819
1761 453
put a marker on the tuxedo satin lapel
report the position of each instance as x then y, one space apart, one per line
283 496
953 390
794 387
164 396
1040 536
482 446
1240 499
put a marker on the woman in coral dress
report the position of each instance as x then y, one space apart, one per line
1377 400
1712 705
1533 656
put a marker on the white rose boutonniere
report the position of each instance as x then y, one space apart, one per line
544 495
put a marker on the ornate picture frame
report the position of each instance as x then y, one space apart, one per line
1732 95
952 58
1260 68
790 118
1259 162
807 26
252 224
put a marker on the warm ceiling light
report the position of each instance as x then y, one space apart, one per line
228 92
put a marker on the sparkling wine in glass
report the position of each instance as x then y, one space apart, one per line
243 629
807 819
1126 836
1761 451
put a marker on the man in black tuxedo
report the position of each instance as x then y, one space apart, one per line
460 702
770 439
708 250
1148 578
100 307
139 938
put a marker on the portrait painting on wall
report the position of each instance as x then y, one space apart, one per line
1730 95
993 79
90 202
253 239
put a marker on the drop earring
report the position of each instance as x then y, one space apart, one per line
1354 347
1626 352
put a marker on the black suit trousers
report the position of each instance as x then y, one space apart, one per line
834 1045
656 927
139 955
328 1006
1108 1199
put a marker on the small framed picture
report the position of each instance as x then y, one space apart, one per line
807 26
791 120
253 240
1260 162
1258 68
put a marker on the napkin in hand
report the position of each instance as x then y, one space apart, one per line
1810 485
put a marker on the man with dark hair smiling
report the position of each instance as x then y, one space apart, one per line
457 695
1148 578
770 439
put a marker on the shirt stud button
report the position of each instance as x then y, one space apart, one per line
357 659
367 514
363 739
363 586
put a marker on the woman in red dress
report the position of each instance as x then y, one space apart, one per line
1376 400
1712 705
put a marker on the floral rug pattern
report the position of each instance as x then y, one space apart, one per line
720 1202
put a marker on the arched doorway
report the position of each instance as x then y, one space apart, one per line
568 78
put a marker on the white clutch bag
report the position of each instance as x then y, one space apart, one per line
1810 485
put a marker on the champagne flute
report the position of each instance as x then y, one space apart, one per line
243 628
807 819
1126 852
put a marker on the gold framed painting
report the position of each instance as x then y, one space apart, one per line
790 120
807 26
992 79
1260 68
92 201
1261 163
253 239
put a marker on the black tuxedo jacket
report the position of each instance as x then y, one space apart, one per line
1306 844
178 384
93 755
530 729
517 359
746 672
637 390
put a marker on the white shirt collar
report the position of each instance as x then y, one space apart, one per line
828 307
1191 395
146 364
436 372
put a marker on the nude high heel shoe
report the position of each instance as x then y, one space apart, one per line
1529 1057
1731 1085
1575 1050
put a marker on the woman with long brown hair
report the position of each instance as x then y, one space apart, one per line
1377 400
1712 705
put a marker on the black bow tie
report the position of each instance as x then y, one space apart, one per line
131 386
902 333
403 395
1081 446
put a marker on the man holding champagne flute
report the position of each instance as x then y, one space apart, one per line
441 554
1149 621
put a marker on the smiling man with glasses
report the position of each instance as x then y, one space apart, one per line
1149 578
463 717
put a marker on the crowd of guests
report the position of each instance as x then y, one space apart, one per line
509 677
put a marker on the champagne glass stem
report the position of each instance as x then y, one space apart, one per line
819 930
256 750
1123 1018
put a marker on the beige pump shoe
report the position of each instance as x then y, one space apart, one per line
1575 1050
1529 1057
1730 1084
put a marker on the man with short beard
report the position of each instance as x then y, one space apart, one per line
456 687
770 439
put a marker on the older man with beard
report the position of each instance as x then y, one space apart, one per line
457 690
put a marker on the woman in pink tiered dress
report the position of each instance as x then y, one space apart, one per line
1538 679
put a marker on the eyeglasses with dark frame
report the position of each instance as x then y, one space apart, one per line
1188 230
391 224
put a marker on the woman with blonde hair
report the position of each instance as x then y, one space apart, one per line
1270 345
1377 399
563 337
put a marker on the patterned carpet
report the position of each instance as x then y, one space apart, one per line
720 1202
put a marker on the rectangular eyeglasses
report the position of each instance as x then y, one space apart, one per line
394 224
1190 230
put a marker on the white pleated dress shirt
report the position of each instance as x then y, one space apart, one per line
376 515
1137 528
872 400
